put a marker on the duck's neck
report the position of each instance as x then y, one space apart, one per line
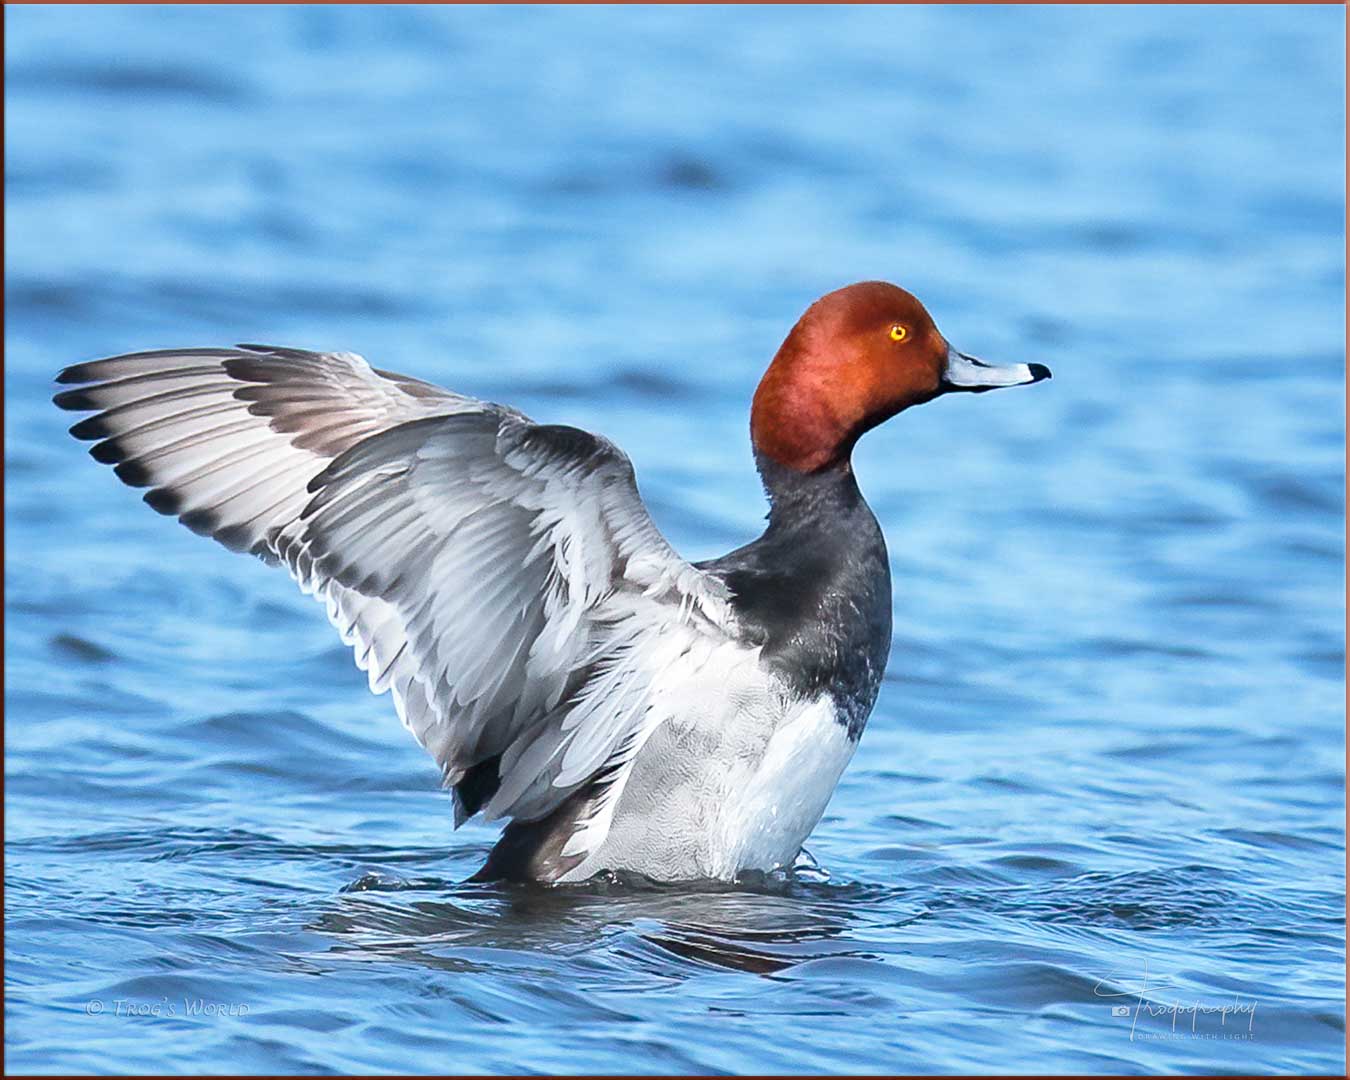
798 498
814 592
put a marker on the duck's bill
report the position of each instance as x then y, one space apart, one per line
967 373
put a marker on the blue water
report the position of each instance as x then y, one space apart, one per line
1107 765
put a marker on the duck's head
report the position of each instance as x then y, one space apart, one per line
858 356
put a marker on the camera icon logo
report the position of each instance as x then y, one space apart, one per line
1120 1010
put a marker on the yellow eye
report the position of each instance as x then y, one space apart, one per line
899 333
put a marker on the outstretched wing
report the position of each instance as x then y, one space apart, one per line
501 577
227 439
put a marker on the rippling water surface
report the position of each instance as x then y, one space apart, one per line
1106 769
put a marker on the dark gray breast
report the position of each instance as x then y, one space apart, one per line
815 589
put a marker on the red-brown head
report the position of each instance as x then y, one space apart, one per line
857 357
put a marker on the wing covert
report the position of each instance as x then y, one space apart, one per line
521 586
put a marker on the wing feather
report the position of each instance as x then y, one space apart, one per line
501 578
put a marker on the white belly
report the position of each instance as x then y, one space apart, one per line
777 802
733 776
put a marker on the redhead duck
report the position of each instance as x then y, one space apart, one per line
627 710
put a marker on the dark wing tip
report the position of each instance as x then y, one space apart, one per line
317 482
75 400
92 427
235 537
76 373
108 452
164 501
132 473
204 522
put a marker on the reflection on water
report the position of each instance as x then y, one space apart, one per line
740 928
1107 764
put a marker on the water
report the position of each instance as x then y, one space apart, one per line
1108 758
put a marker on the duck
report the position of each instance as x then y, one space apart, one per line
622 710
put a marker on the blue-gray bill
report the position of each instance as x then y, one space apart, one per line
967 373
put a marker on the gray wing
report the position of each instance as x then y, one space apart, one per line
227 439
501 577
